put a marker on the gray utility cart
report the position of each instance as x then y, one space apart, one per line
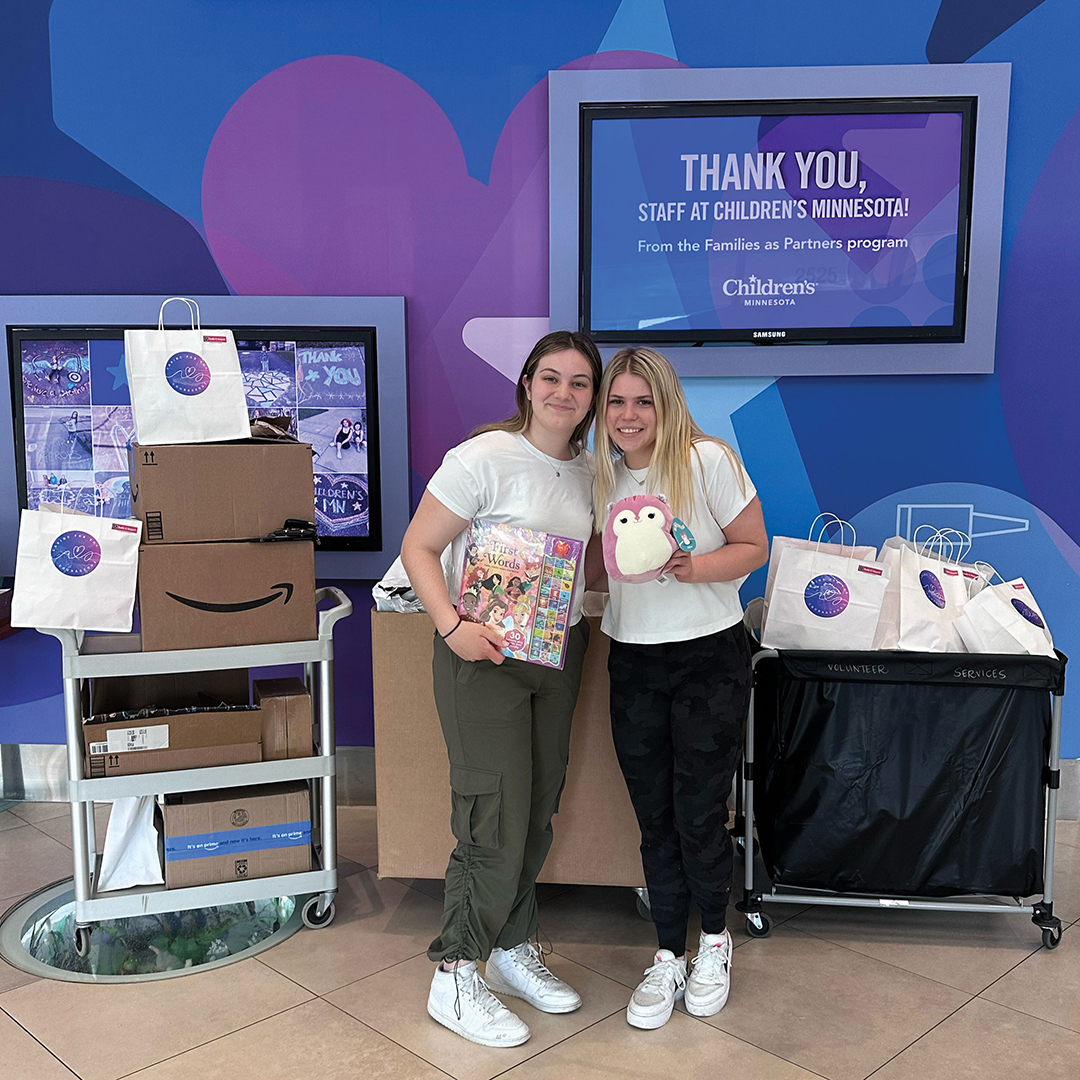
103 656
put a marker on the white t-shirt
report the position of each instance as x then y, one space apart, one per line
499 476
652 612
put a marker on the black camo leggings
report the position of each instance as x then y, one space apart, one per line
677 713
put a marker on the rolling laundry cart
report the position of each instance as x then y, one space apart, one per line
911 781
102 656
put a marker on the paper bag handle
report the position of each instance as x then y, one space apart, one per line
830 519
193 312
964 543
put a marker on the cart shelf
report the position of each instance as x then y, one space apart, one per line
103 656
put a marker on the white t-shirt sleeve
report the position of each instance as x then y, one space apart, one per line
458 485
727 484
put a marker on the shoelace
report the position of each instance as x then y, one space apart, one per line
475 990
532 959
714 960
661 972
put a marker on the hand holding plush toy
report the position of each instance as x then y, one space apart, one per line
638 540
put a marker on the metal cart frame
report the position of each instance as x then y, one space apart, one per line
103 656
752 904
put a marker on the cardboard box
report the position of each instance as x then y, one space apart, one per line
241 833
597 839
178 741
199 492
173 691
202 596
285 707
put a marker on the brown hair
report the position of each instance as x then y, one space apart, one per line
556 341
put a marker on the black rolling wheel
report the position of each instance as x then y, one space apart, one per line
643 909
82 940
309 913
1051 936
758 924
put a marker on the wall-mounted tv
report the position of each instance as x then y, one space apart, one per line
780 221
73 421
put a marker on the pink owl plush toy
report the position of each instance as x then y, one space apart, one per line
637 538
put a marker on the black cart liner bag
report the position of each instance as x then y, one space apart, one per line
903 774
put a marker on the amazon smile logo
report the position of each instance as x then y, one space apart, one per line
244 605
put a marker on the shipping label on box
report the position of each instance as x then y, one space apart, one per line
202 596
200 492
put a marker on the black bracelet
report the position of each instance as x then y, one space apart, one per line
449 632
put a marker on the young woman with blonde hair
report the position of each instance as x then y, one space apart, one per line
680 669
506 722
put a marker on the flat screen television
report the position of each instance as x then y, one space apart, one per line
839 220
73 421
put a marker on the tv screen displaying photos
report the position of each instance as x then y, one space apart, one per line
73 419
776 222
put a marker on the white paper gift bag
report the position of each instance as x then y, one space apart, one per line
888 631
185 385
130 857
75 572
933 592
814 541
824 601
1005 619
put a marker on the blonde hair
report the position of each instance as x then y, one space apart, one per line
556 341
670 471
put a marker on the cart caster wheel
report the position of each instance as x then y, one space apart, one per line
758 924
644 910
311 918
1051 937
82 941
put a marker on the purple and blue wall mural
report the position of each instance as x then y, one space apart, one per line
366 147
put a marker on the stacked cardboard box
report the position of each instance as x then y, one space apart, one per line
204 579
178 740
213 836
285 708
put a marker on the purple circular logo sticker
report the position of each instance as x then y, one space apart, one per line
826 595
75 553
1028 613
187 373
932 587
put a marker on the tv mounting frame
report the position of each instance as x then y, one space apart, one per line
988 83
385 314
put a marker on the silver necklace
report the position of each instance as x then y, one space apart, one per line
555 463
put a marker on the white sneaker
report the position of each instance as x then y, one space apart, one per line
651 1003
521 972
461 1001
710 975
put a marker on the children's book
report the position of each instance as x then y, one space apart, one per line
522 582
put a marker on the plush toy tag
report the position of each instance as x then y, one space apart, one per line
682 534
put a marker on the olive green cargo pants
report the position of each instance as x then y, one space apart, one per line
507 731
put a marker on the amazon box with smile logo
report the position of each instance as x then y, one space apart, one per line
204 596
220 491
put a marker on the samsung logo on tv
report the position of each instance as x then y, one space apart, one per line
769 334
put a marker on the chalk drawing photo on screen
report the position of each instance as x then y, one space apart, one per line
788 221
74 423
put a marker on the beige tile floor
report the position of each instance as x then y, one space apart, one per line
832 993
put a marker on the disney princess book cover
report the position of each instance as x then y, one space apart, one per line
522 582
